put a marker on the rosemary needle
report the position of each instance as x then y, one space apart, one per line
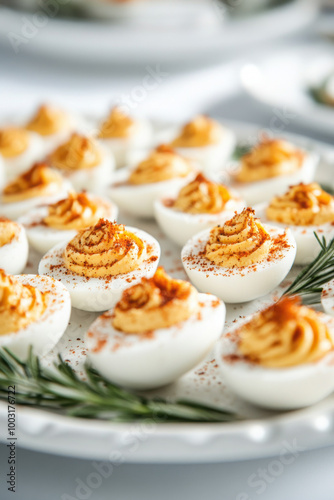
59 387
308 284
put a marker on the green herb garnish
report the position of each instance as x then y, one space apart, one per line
59 387
308 284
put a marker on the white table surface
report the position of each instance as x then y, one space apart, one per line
25 82
47 477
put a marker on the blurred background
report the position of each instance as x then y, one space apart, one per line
268 62
166 58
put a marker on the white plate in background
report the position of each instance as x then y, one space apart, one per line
261 434
182 42
283 80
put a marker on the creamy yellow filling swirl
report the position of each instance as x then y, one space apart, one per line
284 335
302 205
13 141
269 158
202 196
106 249
78 153
117 126
40 180
77 211
241 241
48 121
200 132
161 165
8 231
20 304
158 302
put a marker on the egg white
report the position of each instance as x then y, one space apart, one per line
138 199
92 179
147 362
44 333
261 191
212 158
327 298
279 389
307 245
98 294
236 284
16 209
181 226
141 138
14 255
18 164
42 237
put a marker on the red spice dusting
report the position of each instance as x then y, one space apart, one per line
99 345
232 358
154 258
168 202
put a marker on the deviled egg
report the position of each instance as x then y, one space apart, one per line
100 262
84 162
49 225
20 149
41 184
270 168
136 189
159 330
206 141
281 358
240 260
122 134
53 125
34 311
198 205
13 247
305 209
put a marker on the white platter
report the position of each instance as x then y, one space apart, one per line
266 80
260 434
201 36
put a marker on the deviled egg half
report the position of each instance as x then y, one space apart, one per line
53 125
20 149
305 209
270 168
122 134
240 260
281 358
198 205
159 330
84 162
39 185
49 225
34 311
164 171
206 141
14 247
100 262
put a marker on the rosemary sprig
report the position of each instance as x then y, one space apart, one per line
329 189
308 284
240 150
59 387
